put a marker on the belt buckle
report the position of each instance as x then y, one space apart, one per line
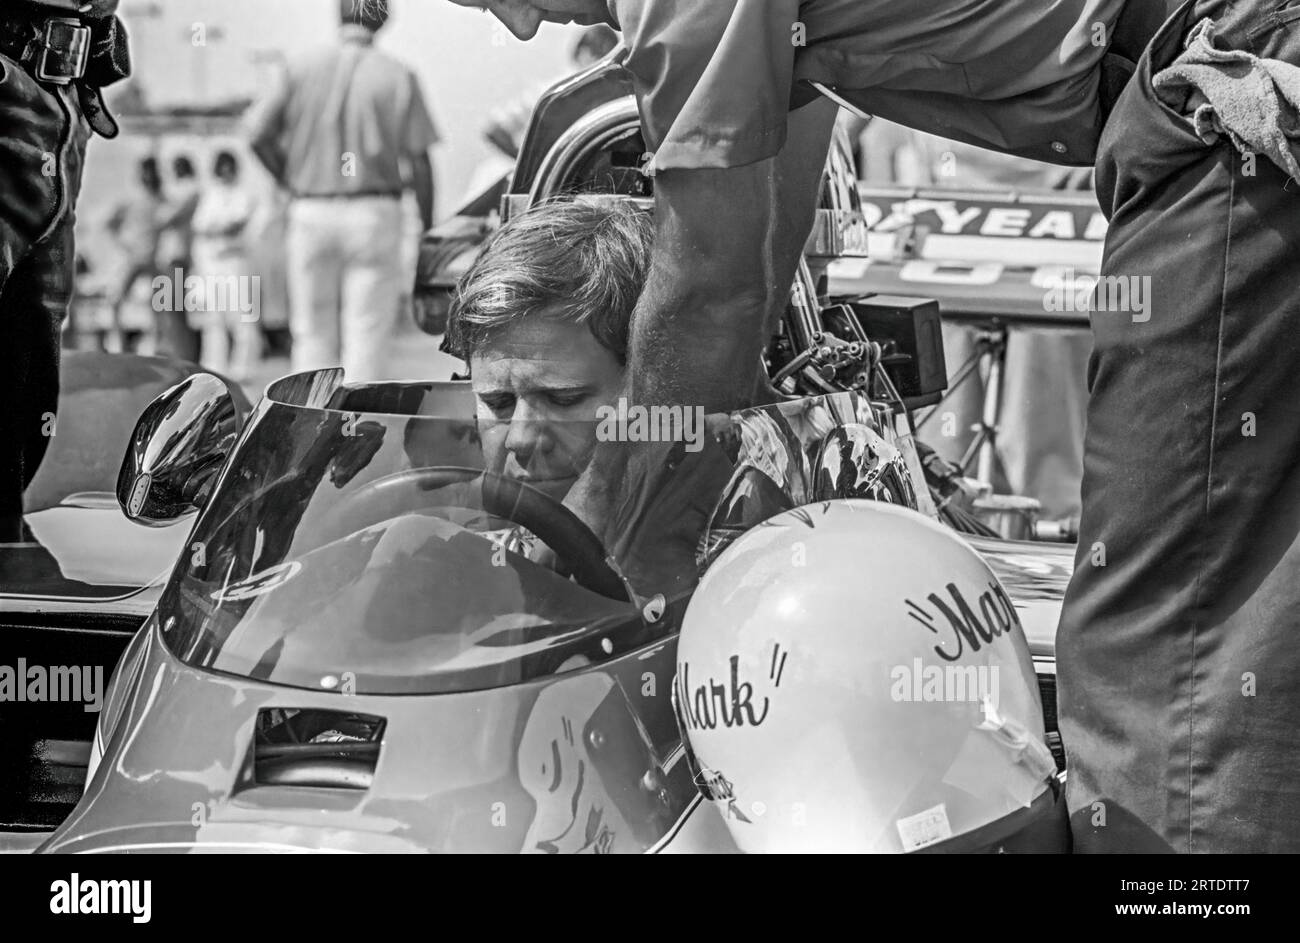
65 51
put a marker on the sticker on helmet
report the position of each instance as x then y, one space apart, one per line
924 828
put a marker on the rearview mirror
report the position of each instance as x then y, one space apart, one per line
180 443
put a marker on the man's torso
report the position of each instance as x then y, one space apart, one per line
344 122
1017 75
1026 77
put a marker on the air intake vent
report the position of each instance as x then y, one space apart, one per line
317 748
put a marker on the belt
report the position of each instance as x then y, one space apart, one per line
55 48
358 195
65 50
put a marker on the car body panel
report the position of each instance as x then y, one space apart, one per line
587 761
79 589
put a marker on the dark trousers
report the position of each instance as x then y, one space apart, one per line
1179 646
42 146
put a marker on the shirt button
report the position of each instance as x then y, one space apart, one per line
1059 147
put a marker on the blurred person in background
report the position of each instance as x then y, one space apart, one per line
176 242
136 225
886 153
221 222
173 337
346 133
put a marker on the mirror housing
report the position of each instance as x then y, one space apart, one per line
180 443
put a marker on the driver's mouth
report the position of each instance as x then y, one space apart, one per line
553 487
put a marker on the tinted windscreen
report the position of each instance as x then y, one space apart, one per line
383 553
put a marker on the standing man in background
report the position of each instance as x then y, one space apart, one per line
55 56
346 133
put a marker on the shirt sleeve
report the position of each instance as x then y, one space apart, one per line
265 121
420 133
713 77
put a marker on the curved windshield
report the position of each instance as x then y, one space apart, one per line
380 539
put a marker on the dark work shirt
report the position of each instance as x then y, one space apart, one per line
716 78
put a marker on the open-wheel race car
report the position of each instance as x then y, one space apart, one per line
350 654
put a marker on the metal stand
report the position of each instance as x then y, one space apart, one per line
989 360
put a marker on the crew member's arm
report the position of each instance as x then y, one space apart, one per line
727 246
265 130
421 170
419 135
737 176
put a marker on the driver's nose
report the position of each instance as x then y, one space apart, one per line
529 438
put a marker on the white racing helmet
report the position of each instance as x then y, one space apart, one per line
852 677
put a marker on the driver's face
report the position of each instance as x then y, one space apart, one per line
523 17
538 384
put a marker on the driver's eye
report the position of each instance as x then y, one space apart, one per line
499 403
566 399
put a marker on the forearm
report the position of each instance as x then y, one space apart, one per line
422 186
697 344
727 246
272 159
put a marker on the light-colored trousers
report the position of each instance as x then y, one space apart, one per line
231 340
345 283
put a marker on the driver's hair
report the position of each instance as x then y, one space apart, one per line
573 259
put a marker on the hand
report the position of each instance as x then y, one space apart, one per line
649 503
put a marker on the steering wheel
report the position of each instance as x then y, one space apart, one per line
506 498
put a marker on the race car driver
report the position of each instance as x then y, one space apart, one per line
542 318
1176 648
